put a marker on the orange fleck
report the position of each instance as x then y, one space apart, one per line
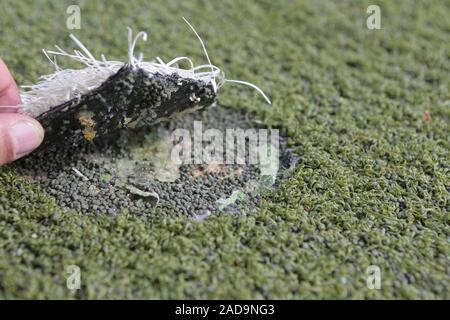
213 167
89 134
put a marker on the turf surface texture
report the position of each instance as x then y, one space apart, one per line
368 114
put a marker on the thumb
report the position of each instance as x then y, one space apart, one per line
19 135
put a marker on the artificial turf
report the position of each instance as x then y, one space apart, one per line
368 114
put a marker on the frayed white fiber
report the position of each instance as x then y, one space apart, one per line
66 84
213 81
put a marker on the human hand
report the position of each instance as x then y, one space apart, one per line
19 134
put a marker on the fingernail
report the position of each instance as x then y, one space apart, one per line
27 137
9 109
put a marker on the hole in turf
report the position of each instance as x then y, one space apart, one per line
124 172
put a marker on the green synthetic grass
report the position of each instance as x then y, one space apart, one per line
371 185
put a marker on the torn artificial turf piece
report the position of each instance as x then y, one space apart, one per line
78 105
124 98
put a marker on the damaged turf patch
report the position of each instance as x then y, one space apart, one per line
134 171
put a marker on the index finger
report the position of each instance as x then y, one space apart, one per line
9 94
